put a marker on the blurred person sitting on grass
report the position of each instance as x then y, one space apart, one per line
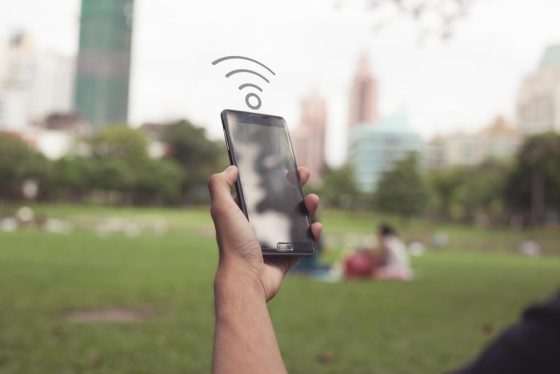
245 341
311 266
389 261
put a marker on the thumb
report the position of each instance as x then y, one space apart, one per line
220 185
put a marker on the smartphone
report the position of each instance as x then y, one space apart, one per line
268 185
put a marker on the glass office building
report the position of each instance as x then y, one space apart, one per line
103 71
373 150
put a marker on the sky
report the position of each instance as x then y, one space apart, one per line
313 46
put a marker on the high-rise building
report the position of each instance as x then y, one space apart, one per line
33 83
102 83
363 96
16 80
373 150
538 103
309 138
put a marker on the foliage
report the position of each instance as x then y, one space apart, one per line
436 18
158 181
118 142
18 163
444 184
116 169
533 187
339 187
198 156
402 190
468 193
112 174
119 170
71 177
481 195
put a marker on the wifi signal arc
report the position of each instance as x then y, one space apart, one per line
251 97
246 71
243 58
245 85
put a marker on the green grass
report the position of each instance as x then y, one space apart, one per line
460 300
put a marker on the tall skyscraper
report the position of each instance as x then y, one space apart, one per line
363 96
102 83
309 138
538 102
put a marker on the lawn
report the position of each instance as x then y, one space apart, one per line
460 300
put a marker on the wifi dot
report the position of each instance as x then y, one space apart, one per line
249 102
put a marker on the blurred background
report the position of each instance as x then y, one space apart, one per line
439 117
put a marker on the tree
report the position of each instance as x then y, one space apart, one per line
469 192
19 163
72 177
432 17
112 175
198 156
158 181
339 187
534 185
120 142
481 195
444 183
402 190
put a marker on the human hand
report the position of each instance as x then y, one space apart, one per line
241 260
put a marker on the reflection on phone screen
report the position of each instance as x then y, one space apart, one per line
271 190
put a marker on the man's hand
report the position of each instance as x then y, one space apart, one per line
241 258
244 341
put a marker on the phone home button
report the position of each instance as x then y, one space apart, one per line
284 247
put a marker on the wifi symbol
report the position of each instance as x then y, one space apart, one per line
252 100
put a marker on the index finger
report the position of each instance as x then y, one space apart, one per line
303 174
220 185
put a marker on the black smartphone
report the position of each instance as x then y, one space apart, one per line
268 186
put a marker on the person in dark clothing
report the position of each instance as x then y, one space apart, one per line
531 346
245 341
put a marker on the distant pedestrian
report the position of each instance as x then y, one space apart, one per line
388 261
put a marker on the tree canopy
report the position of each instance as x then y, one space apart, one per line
402 190
533 187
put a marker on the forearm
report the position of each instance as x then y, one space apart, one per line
244 340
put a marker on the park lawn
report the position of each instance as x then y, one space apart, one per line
338 226
459 301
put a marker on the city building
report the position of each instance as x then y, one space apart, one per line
56 136
33 83
373 150
364 96
53 85
309 137
499 140
434 153
16 81
538 102
103 72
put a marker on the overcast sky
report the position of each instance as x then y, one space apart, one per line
444 86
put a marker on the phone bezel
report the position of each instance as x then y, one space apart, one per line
300 248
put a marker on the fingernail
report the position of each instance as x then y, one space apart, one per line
229 168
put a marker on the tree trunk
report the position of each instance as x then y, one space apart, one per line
537 197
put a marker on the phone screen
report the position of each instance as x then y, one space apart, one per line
268 181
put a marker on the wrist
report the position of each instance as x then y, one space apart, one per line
236 282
